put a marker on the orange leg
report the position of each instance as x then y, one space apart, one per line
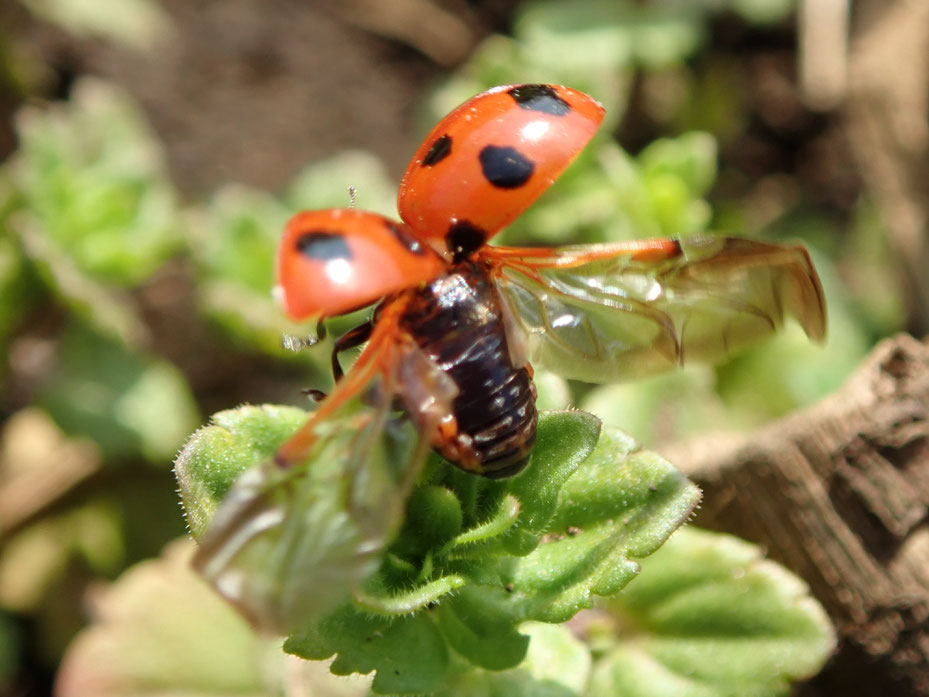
375 358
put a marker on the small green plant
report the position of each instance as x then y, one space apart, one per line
452 603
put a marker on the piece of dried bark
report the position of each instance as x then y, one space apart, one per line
839 493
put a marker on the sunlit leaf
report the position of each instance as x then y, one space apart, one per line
709 617
161 631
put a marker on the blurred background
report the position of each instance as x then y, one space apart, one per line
151 150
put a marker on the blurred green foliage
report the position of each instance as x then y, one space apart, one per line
92 231
127 402
710 617
89 177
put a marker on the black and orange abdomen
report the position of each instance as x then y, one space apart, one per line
457 321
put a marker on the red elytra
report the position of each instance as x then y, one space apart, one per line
489 159
334 261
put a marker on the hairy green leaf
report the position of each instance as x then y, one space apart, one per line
407 652
710 617
215 456
475 557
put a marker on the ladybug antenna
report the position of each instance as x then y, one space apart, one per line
351 196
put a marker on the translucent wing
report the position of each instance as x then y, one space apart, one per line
611 312
297 534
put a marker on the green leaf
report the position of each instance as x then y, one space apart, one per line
418 598
677 172
564 443
619 506
235 237
475 558
127 402
690 157
710 617
557 664
215 456
482 630
159 631
407 652
556 657
598 515
433 518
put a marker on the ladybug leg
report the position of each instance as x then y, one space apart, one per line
351 339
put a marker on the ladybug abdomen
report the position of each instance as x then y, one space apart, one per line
457 321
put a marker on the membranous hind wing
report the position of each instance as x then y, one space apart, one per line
296 535
616 311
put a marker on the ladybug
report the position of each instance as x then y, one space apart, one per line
478 316
458 323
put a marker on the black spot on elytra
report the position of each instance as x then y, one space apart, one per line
405 238
464 238
324 245
440 149
505 167
540 98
